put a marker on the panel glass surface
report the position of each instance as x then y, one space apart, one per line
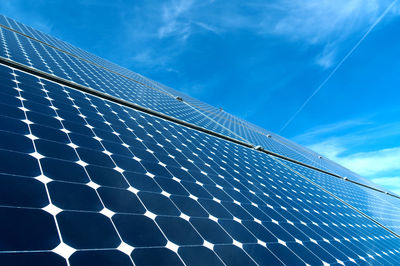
45 38
75 64
383 208
37 55
101 184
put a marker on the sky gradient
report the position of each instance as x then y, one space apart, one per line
259 61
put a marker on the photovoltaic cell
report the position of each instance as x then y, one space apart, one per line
157 192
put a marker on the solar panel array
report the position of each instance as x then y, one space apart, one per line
88 181
33 48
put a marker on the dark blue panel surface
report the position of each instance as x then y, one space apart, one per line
22 192
84 230
139 231
142 185
121 200
27 229
155 256
63 170
32 258
70 196
100 258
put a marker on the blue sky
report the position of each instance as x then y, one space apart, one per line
259 60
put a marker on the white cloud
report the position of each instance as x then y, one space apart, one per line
317 20
330 149
325 24
311 21
352 132
392 182
180 18
377 164
208 27
372 163
327 130
327 58
174 22
368 163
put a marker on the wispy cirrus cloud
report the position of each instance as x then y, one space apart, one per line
324 24
160 31
321 20
326 131
174 19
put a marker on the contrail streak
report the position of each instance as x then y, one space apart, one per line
379 19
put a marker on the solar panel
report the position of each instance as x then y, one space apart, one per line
102 183
86 179
47 39
33 48
34 54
